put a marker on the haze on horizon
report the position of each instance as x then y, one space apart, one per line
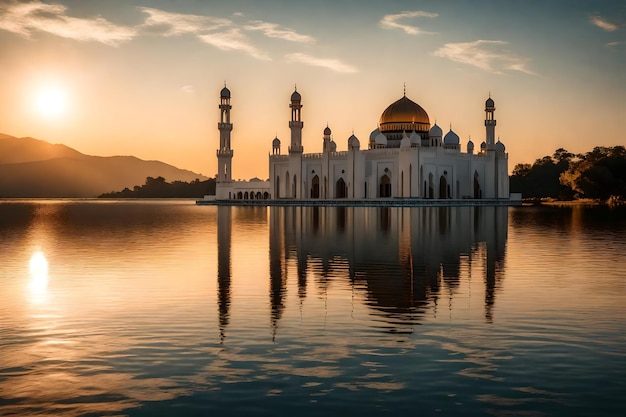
143 78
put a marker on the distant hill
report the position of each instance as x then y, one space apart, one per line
34 168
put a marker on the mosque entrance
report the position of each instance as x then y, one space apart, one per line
385 186
315 187
341 190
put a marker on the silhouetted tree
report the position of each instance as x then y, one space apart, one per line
598 174
541 179
160 188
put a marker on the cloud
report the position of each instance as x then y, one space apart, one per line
332 64
26 18
188 89
231 40
390 21
272 30
173 24
215 31
603 24
484 54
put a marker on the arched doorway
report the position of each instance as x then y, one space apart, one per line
477 191
385 187
266 195
443 187
245 196
315 187
341 190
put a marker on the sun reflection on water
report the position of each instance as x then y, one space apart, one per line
38 268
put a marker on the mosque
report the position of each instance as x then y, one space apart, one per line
406 158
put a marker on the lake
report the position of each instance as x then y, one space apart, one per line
162 308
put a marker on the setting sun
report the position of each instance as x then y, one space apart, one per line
51 102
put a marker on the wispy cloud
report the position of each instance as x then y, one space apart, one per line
390 21
273 30
233 40
188 89
172 24
218 32
484 54
35 16
603 23
329 63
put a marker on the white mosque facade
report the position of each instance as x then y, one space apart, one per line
405 158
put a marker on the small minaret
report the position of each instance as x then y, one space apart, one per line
296 123
490 123
224 153
326 143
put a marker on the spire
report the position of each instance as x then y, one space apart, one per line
404 89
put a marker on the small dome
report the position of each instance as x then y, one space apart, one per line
295 96
435 131
327 131
333 146
405 142
353 142
415 139
500 146
470 146
225 93
381 139
373 135
483 145
490 103
451 138
276 142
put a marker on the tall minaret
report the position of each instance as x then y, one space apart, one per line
490 123
224 153
296 123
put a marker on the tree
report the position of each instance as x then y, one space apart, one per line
599 174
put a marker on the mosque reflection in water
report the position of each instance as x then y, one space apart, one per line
404 262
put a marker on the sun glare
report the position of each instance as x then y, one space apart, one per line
51 102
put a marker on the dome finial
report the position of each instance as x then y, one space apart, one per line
295 87
404 90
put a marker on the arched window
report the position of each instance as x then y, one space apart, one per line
315 187
258 195
239 195
385 187
245 196
341 190
295 186
431 187
477 191
277 187
266 195
443 187
287 185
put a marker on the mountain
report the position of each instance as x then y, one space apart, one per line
34 168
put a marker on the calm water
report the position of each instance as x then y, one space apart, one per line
166 308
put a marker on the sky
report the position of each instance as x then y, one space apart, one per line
142 78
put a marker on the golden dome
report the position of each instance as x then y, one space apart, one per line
404 112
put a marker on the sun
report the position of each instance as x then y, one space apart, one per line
51 102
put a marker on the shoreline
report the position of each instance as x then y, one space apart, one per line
396 202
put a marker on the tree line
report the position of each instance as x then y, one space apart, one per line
599 174
159 188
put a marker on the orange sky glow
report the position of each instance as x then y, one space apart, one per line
118 78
